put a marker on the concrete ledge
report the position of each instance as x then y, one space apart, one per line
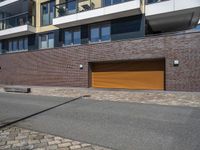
17 89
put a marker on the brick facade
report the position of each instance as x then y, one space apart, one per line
60 66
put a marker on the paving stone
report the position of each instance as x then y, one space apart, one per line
3 137
75 143
40 145
5 147
39 137
54 142
37 141
5 133
46 140
20 137
64 148
85 145
20 144
64 145
86 148
28 147
66 140
39 149
12 142
2 143
33 141
75 147
49 136
52 147
58 138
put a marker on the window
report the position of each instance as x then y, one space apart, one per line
21 44
43 41
95 34
77 37
72 37
46 41
18 44
26 43
47 13
51 40
100 32
14 45
105 32
128 27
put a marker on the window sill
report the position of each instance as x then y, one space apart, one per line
46 48
71 45
99 42
90 43
10 52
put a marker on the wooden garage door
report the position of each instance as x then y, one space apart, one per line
146 75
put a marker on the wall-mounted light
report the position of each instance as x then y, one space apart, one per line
176 63
81 66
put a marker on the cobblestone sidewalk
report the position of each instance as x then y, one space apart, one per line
149 97
15 138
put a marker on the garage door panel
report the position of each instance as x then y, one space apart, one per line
141 75
129 80
153 65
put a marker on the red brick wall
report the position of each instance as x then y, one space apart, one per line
60 67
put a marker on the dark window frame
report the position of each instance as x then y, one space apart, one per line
47 34
71 30
25 47
49 12
100 25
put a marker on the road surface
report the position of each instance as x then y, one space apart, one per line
116 125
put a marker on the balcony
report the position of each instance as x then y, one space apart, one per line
6 2
77 12
170 15
17 25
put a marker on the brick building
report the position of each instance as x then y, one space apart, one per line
129 44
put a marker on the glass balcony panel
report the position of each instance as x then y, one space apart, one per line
117 1
76 6
112 2
71 7
61 10
17 20
66 8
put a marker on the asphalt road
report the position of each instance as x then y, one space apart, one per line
16 106
121 126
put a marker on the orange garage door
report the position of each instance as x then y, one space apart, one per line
144 75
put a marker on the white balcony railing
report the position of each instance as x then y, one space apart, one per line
89 12
155 7
6 2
